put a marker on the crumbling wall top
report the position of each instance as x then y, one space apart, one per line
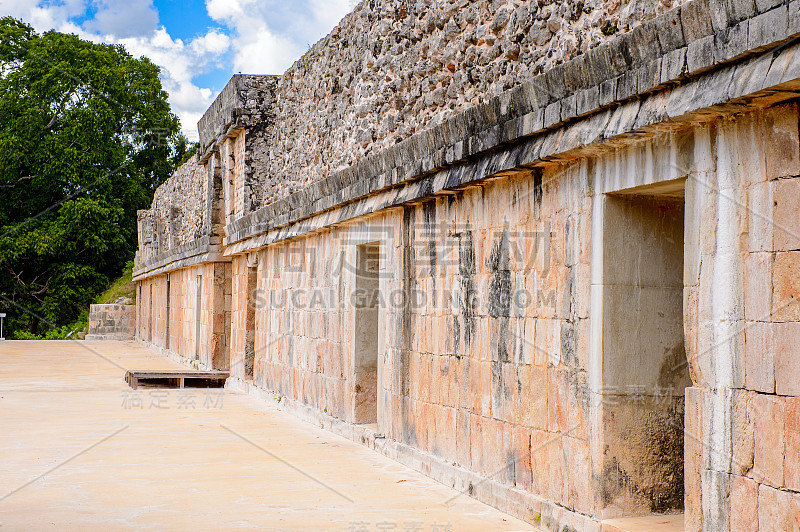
244 100
177 214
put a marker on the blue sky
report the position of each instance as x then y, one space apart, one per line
198 44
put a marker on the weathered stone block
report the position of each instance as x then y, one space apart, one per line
622 56
608 90
557 401
768 28
552 114
673 65
693 460
568 108
791 462
786 287
587 101
579 478
787 358
786 194
627 85
774 509
760 216
719 15
648 76
785 68
696 20
700 55
669 31
766 5
730 42
783 148
749 78
555 83
794 18
573 75
759 357
743 433
757 286
597 65
644 43
716 500
744 505
769 439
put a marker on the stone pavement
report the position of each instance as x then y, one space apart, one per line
80 450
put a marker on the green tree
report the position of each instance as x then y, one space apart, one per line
86 135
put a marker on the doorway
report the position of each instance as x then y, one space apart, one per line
250 324
644 371
150 315
366 307
197 314
166 326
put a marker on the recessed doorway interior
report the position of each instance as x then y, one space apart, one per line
198 300
644 370
365 350
250 324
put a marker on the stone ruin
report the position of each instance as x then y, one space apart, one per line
546 253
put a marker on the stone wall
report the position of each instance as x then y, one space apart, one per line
352 94
246 106
486 352
394 68
553 272
169 316
111 322
177 215
742 323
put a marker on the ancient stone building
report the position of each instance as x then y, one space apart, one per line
547 253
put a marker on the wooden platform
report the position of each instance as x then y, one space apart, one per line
176 378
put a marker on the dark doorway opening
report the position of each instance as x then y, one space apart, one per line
367 286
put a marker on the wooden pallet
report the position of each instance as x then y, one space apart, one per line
176 379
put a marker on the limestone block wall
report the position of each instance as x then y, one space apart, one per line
111 322
743 325
237 198
483 333
495 351
198 306
245 297
537 329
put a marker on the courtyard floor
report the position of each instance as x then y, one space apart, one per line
79 449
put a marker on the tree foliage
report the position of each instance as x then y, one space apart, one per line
86 135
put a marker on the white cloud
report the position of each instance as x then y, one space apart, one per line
213 42
269 36
41 16
123 18
180 62
328 13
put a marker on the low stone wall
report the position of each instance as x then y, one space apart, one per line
111 322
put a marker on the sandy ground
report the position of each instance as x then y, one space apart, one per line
81 450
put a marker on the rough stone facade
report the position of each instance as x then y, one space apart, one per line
178 212
111 322
572 293
392 69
